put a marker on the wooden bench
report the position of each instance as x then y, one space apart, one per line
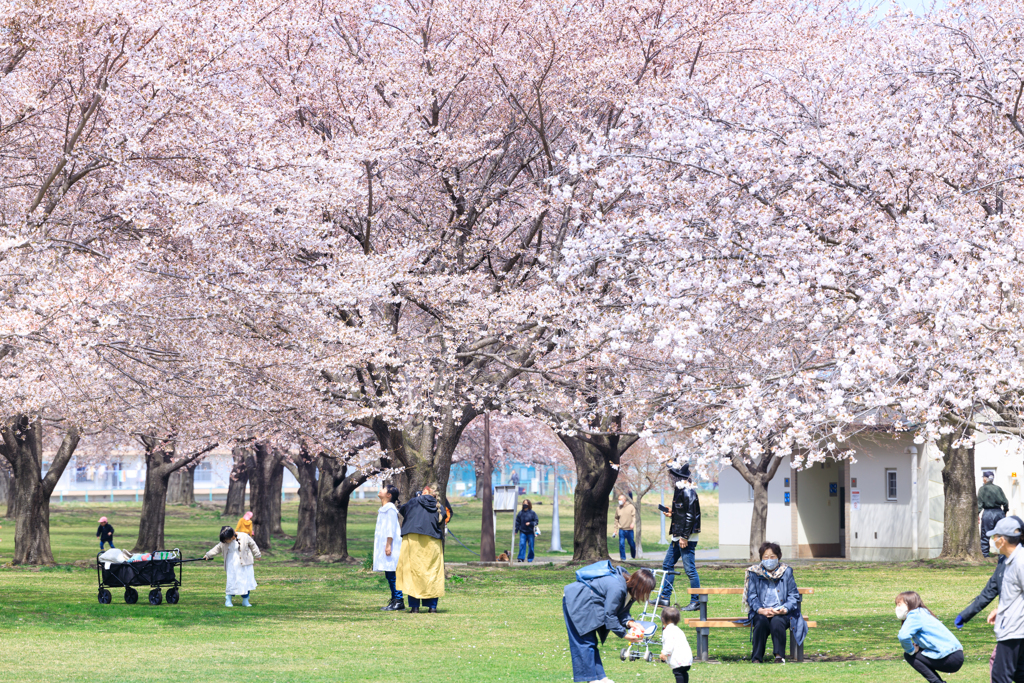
704 624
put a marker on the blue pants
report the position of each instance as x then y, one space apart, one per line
586 657
674 554
525 540
109 543
395 593
626 535
414 603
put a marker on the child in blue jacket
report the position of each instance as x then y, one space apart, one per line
928 646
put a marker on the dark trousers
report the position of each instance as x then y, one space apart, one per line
926 666
626 536
414 603
586 657
989 517
682 674
109 543
687 555
1008 663
395 593
759 631
525 541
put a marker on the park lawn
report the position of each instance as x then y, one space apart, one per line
317 622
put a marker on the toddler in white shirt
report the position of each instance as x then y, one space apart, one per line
674 648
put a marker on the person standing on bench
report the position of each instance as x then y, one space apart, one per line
685 532
773 603
929 647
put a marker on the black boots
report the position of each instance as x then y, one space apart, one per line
414 610
394 606
432 610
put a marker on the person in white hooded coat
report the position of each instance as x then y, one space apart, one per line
240 553
387 544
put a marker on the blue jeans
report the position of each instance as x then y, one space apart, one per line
110 543
674 554
414 603
395 593
525 540
626 535
586 657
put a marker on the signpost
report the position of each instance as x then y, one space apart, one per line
506 499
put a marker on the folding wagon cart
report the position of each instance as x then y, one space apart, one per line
162 570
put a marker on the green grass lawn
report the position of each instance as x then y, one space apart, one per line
315 622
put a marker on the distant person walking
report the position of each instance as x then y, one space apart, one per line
526 525
244 525
420 571
105 532
1008 663
685 532
625 522
387 544
993 506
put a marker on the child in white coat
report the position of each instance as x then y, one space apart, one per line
674 647
387 543
240 554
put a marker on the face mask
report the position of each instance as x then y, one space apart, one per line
995 544
901 612
770 564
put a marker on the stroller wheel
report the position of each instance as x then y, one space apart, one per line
155 597
649 656
624 654
172 596
131 596
104 596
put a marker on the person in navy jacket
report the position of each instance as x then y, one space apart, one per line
774 604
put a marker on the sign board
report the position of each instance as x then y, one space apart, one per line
855 500
786 482
833 490
787 497
505 498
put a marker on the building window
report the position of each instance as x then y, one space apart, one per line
204 472
890 484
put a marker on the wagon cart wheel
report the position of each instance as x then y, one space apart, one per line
624 653
155 598
131 596
172 596
104 596
649 656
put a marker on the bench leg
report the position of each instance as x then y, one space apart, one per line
702 643
792 648
799 653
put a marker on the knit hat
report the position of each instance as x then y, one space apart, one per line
247 515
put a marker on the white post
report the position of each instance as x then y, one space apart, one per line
912 450
556 529
663 541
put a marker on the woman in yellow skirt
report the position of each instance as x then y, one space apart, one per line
420 572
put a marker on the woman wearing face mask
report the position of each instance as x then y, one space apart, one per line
929 646
773 602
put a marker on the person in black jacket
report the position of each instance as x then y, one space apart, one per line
526 527
685 532
105 532
420 571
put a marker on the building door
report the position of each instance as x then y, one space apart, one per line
820 511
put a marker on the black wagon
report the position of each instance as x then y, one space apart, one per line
162 570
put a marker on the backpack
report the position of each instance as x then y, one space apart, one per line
595 571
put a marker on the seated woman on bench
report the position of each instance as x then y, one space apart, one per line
771 596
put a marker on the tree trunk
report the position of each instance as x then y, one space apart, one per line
12 494
181 487
305 473
260 494
5 485
960 536
758 475
234 506
333 495
160 465
23 448
486 493
638 506
276 490
594 457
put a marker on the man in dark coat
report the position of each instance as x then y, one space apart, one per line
685 531
993 506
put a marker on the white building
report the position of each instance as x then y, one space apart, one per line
865 510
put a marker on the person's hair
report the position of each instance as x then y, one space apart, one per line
669 615
527 505
913 601
432 485
393 492
1012 540
640 584
226 534
768 544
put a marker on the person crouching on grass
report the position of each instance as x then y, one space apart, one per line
929 646
675 649
240 555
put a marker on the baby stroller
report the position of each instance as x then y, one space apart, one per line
156 570
648 620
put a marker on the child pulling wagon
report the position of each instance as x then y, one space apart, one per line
240 555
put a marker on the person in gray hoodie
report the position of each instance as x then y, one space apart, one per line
1008 663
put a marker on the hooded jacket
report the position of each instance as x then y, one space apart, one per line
526 522
421 515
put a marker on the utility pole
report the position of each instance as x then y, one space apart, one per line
556 530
